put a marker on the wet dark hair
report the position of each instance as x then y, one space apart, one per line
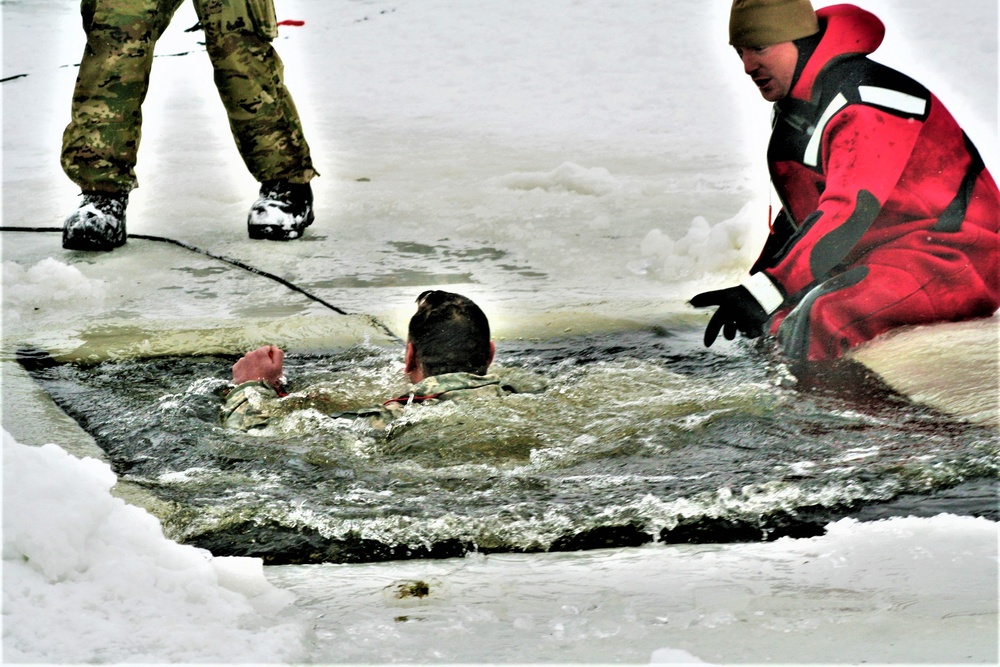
450 334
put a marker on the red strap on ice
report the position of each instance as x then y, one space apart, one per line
294 22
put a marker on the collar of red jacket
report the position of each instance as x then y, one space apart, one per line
850 30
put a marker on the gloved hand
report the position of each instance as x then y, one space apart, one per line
744 308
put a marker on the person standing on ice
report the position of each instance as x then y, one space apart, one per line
889 216
102 139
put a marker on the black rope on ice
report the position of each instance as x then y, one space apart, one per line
243 265
222 258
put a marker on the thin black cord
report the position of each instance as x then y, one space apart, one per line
202 251
242 265
221 258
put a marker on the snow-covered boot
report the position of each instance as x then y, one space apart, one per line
282 212
97 224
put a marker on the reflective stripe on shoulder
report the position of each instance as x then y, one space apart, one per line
811 157
893 99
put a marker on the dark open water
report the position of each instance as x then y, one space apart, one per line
635 437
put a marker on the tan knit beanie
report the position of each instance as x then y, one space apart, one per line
767 22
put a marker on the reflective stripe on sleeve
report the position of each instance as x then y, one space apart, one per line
764 291
893 99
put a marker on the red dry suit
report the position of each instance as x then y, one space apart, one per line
889 216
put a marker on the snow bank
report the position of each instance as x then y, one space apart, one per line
567 177
48 283
724 248
89 578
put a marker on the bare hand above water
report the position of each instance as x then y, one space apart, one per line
265 363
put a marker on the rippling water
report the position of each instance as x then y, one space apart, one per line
626 438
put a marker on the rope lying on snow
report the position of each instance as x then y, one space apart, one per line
222 258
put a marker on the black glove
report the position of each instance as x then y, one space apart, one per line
738 311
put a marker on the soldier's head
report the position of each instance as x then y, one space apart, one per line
449 333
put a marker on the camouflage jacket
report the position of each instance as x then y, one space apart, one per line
255 404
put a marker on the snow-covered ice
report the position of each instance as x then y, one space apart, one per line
611 153
89 578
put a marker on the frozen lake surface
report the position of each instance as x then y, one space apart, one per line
580 169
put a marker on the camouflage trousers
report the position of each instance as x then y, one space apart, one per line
100 144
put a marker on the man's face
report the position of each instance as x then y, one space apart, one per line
770 67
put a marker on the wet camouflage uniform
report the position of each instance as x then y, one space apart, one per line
255 404
102 139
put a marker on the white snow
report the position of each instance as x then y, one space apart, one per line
567 177
729 246
89 578
903 590
48 284
614 147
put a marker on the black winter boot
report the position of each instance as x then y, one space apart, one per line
97 224
282 212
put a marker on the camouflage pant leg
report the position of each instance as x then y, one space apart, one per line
102 139
250 78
